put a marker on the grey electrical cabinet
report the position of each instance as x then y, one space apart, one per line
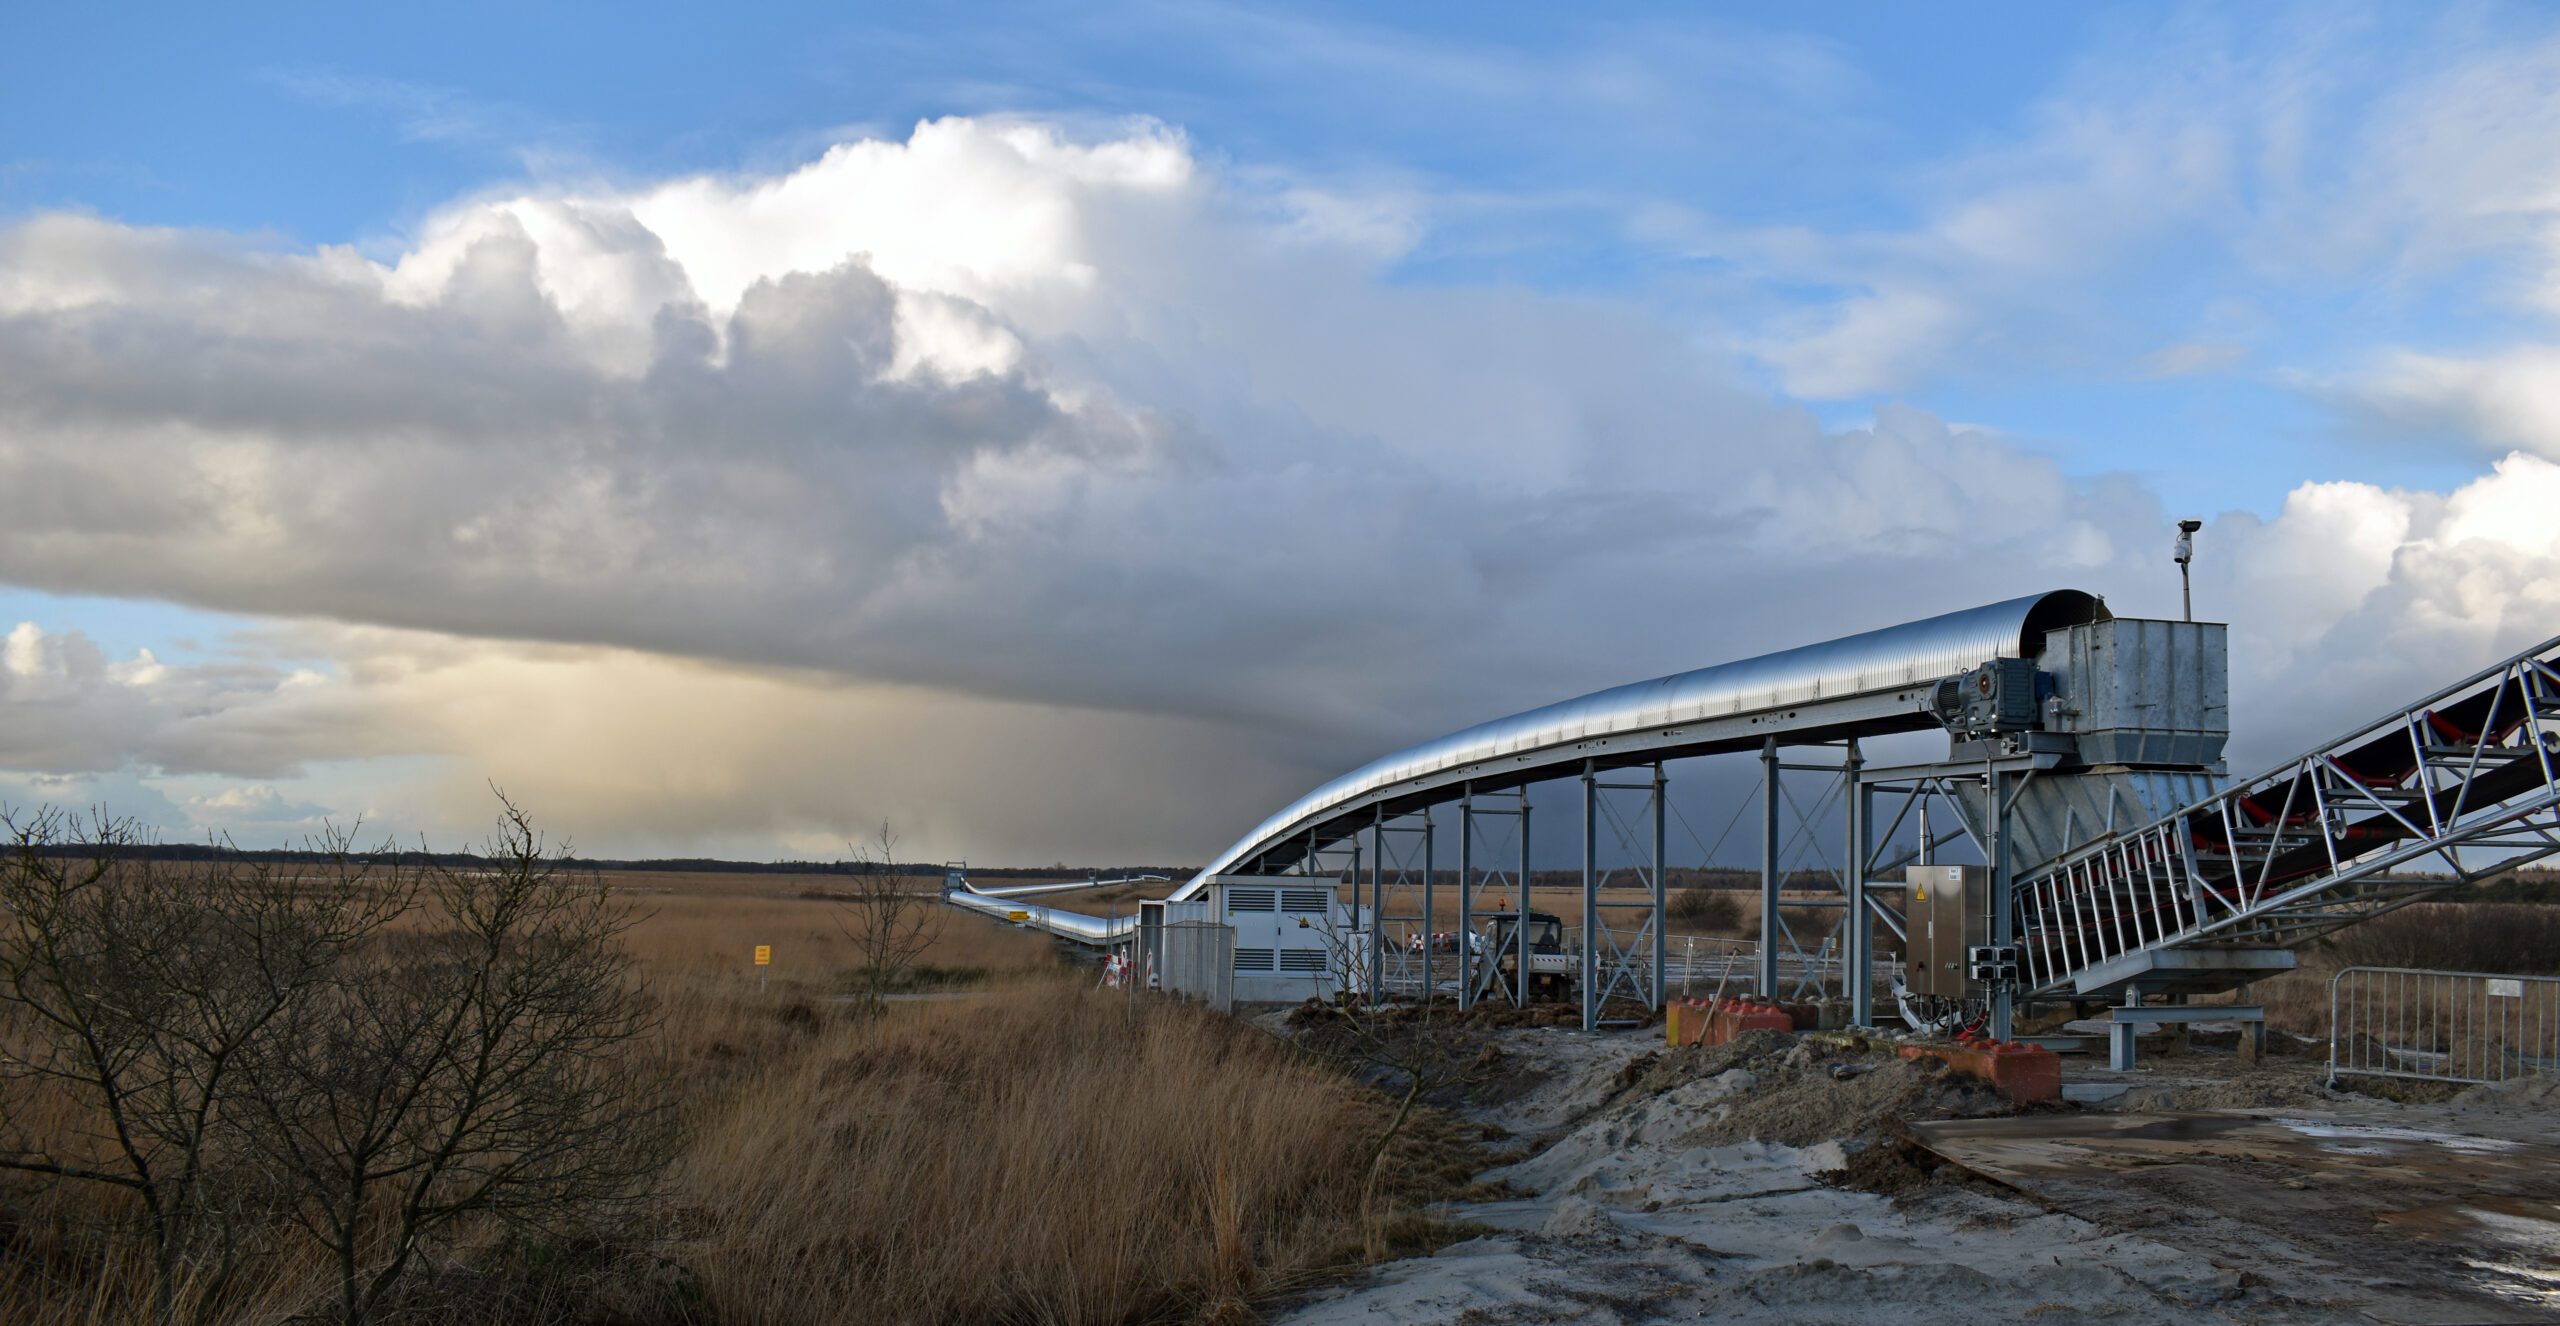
1942 905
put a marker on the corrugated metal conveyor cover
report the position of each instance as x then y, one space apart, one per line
1812 675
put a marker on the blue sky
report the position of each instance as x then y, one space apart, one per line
2128 262
324 125
1538 133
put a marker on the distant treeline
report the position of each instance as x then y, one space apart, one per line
692 865
2513 886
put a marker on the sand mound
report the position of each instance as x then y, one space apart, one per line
1895 1164
1575 1218
2271 1086
2523 1095
1800 1101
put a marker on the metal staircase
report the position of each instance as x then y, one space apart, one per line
2460 785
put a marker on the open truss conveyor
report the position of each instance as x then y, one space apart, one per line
2457 786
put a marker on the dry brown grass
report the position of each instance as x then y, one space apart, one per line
1029 1151
685 936
1052 1154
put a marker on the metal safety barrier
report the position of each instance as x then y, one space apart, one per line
2443 1026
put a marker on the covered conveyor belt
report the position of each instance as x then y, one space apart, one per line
1861 685
2084 764
1856 686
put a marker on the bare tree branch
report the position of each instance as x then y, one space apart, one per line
888 924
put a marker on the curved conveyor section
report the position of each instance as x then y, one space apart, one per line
1856 686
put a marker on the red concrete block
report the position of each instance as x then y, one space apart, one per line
1716 1021
1732 1017
2023 1073
1681 1019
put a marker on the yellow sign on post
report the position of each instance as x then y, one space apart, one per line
764 955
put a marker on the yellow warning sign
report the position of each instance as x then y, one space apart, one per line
764 955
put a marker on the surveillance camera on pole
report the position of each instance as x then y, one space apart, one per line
2185 552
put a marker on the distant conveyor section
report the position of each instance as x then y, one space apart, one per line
1015 905
2459 785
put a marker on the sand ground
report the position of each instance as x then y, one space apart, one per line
1785 1180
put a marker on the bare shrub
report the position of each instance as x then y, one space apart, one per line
471 1070
1715 910
2518 937
137 993
888 924
233 1051
1412 1051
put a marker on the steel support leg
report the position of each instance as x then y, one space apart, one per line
1661 891
1590 898
1378 907
2003 924
1520 931
1768 974
1430 940
1857 983
1466 897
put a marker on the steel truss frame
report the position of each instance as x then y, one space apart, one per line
1852 934
2003 781
1400 872
1876 887
1477 873
2465 777
1607 966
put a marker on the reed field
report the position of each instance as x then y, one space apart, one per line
712 930
1007 1144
